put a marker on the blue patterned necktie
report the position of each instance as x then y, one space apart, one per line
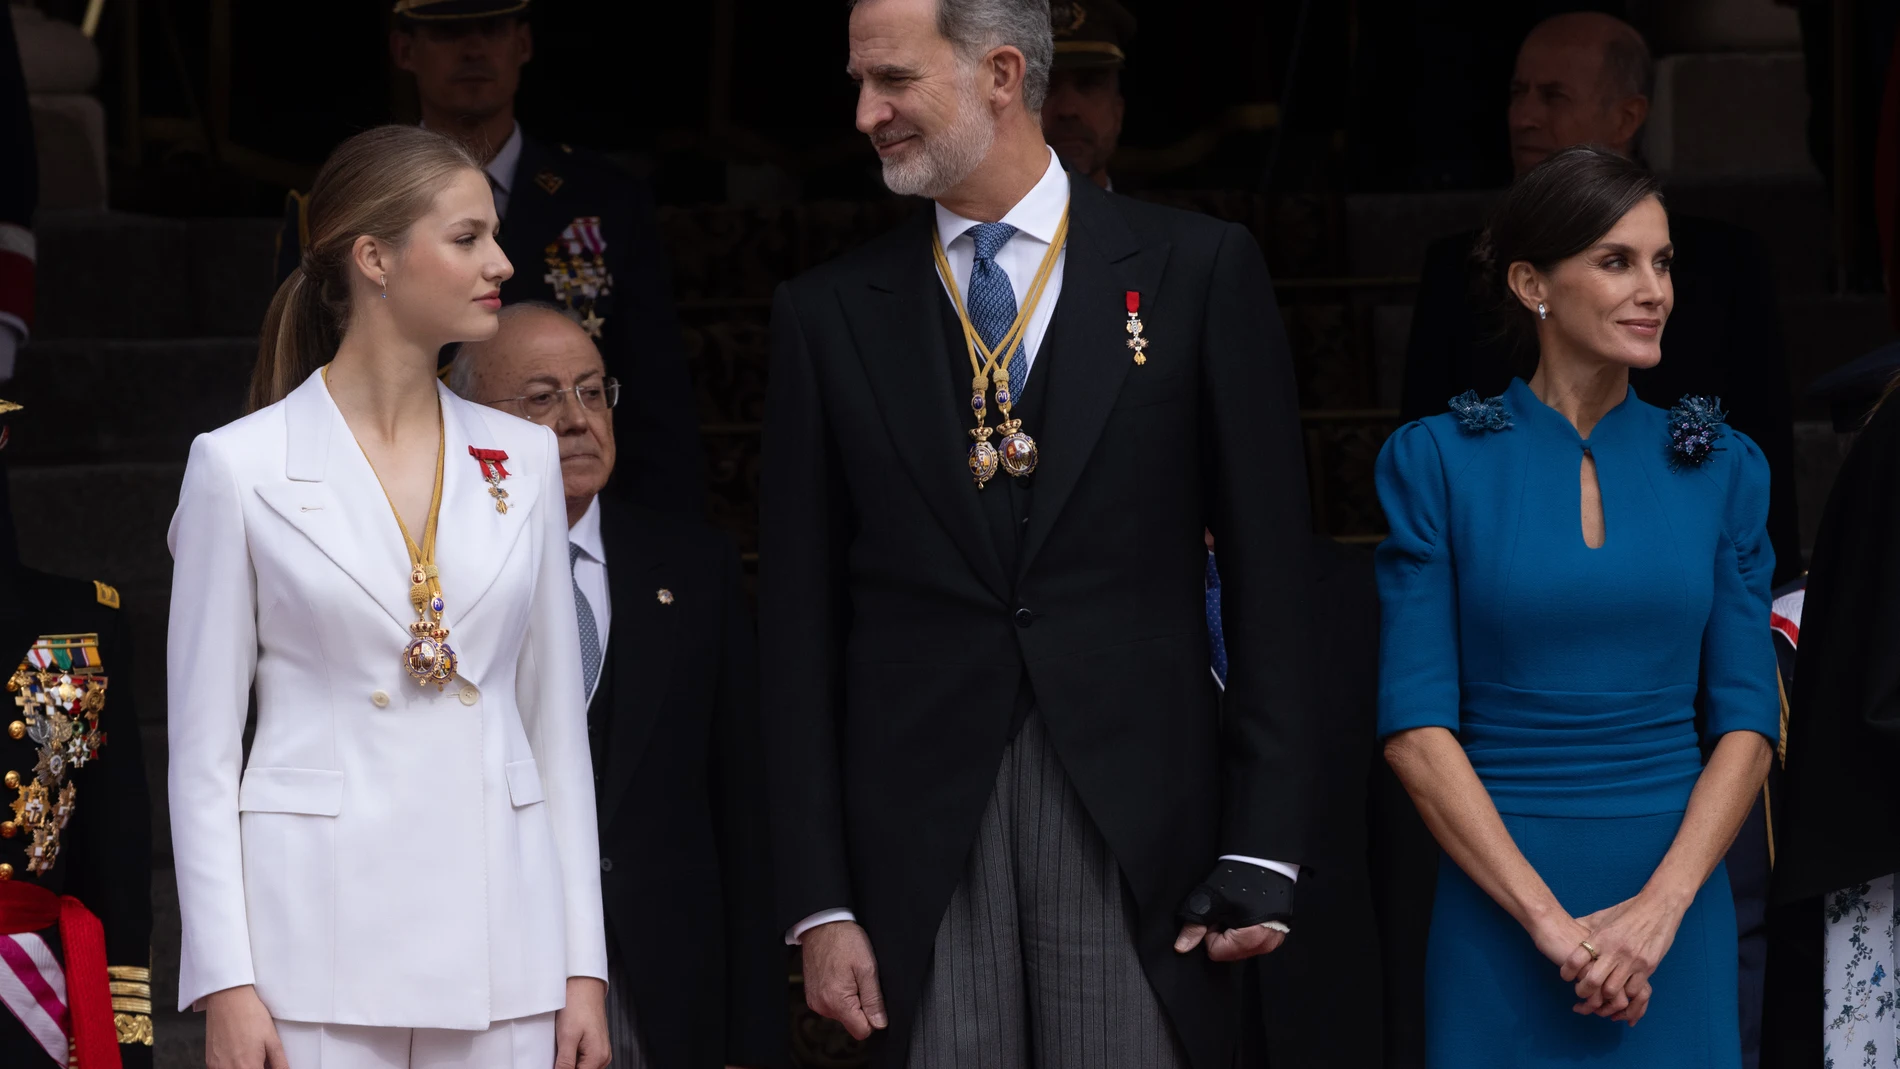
590 631
1216 641
992 300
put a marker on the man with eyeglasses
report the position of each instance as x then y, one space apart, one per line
696 977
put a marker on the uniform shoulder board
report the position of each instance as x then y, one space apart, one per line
107 594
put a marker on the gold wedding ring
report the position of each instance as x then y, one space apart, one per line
1593 950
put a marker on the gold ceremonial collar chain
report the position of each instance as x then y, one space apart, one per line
428 657
991 367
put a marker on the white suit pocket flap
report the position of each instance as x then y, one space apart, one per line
316 792
524 782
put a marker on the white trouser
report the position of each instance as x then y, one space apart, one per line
523 1043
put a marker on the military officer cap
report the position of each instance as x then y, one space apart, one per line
1091 33
449 10
1852 390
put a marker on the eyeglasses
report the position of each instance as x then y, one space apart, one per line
542 404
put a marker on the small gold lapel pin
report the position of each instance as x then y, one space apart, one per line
665 596
549 181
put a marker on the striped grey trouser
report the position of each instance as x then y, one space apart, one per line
623 1033
1035 960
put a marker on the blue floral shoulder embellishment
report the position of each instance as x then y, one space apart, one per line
1478 415
1694 428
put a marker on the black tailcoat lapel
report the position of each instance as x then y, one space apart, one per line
897 327
1105 260
641 644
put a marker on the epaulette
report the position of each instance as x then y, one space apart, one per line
107 594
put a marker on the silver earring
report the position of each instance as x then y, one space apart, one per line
1542 312
1540 307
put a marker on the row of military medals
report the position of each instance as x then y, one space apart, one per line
1018 455
59 713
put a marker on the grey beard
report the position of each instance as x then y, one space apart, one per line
946 160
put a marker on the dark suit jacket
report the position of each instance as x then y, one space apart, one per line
657 420
1335 946
906 616
685 878
105 855
1723 338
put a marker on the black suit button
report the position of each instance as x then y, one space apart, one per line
606 864
1024 617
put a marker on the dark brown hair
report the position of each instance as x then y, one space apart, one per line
377 183
1558 209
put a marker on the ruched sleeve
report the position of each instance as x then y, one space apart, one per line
1739 690
1418 598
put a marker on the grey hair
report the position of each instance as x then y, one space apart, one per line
462 372
976 26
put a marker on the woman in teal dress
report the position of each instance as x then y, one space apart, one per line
1575 611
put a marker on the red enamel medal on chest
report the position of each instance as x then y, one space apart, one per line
1135 341
493 473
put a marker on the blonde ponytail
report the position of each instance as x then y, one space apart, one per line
377 183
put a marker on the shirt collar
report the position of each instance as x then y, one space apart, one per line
501 169
586 533
1037 215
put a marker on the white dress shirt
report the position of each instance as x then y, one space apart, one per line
1036 218
590 574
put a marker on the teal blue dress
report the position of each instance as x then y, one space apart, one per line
1583 684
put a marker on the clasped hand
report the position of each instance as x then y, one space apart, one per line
1630 938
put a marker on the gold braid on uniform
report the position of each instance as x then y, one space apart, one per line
131 988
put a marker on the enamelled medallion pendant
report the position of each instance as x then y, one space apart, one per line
428 658
983 456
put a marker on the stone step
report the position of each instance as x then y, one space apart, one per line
93 400
116 275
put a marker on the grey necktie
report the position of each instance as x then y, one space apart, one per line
590 631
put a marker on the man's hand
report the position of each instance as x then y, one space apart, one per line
580 1028
1235 944
239 1032
841 978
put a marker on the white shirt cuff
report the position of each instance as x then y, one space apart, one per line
796 936
1284 868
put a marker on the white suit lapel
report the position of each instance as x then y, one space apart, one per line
332 496
473 540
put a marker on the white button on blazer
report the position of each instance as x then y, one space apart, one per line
427 859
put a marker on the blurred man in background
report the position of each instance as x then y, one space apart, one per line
579 230
1082 117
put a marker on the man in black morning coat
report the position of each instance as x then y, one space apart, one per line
570 220
995 738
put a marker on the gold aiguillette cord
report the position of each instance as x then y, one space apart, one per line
1019 454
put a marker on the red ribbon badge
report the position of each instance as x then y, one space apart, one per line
491 462
1134 303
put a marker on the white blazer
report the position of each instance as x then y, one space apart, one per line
390 854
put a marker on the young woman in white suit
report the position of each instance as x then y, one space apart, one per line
404 872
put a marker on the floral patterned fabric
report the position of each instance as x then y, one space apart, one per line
1860 1022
